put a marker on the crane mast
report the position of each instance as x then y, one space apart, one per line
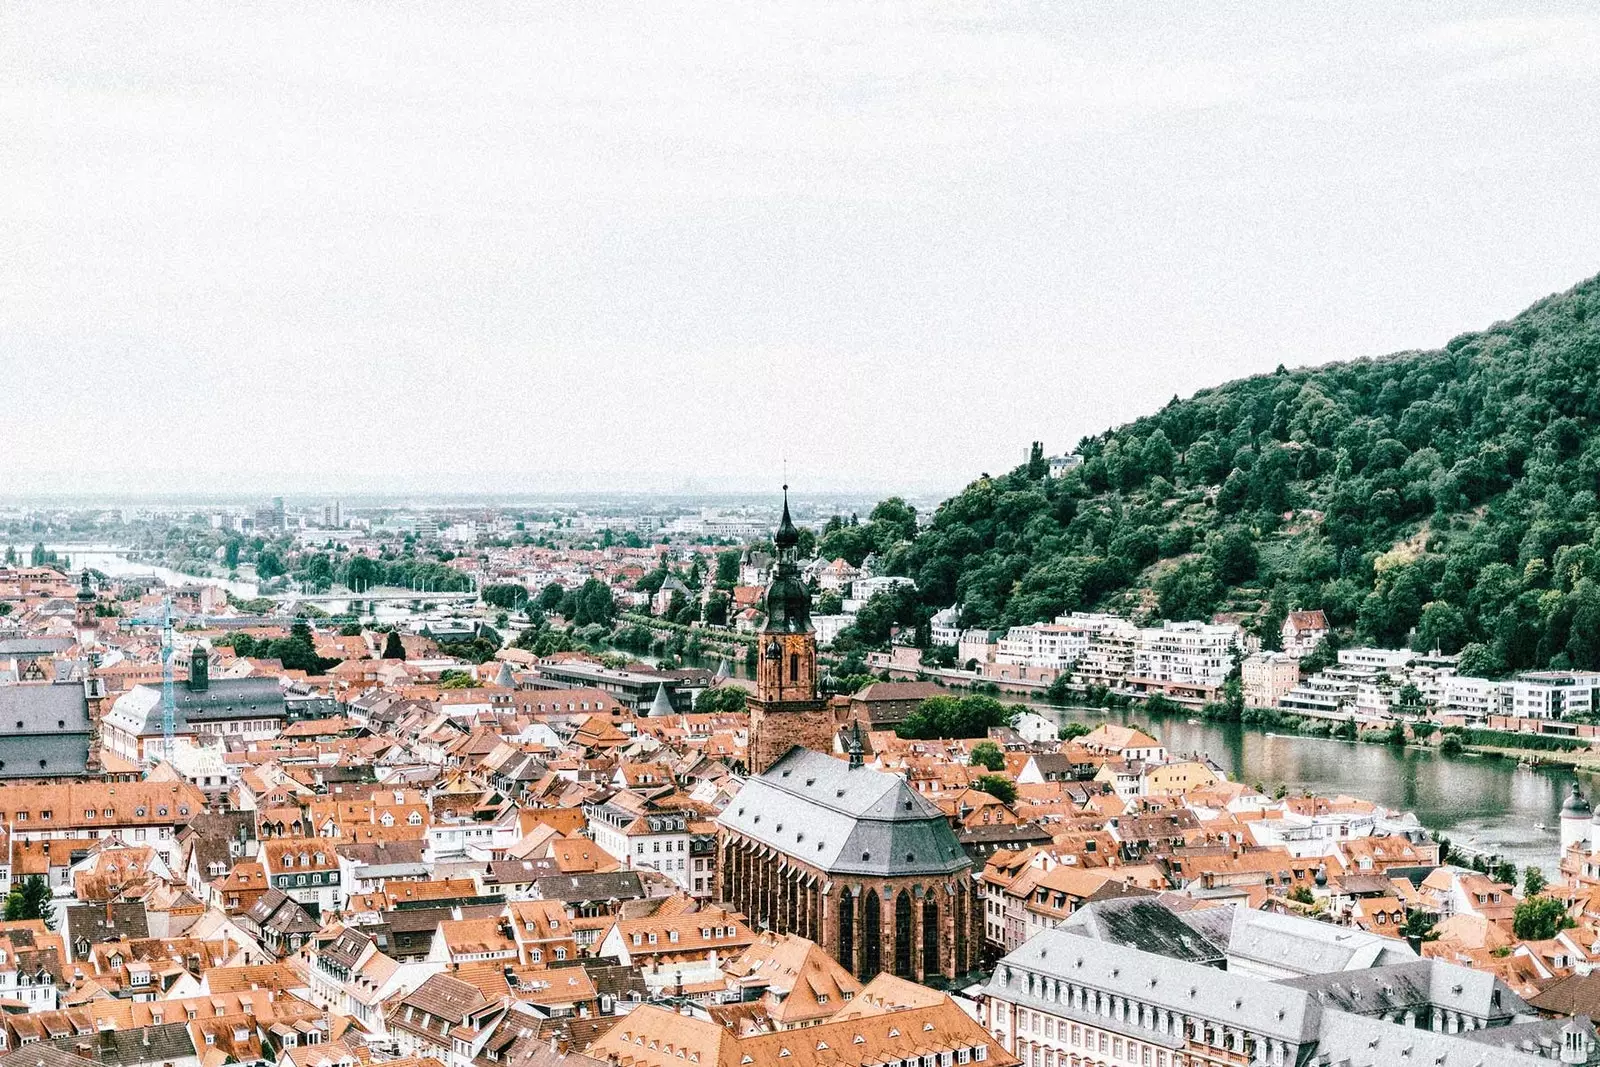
169 702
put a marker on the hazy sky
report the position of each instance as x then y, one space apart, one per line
528 245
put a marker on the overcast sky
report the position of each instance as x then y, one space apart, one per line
334 246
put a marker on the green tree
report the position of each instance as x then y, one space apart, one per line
31 899
1533 881
1301 894
988 755
955 717
269 565
728 568
1420 925
998 786
363 573
722 700
392 646
1539 919
509 596
1072 730
1451 746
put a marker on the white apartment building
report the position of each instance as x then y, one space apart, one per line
1108 658
657 841
1476 698
1383 659
1553 694
829 627
864 589
1190 655
1048 645
1328 692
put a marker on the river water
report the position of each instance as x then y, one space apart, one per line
113 560
1489 805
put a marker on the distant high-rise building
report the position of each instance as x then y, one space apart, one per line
332 516
270 516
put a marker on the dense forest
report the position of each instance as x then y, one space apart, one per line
1442 499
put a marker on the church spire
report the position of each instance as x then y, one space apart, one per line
788 602
787 536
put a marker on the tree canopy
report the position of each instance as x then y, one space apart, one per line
969 716
1448 498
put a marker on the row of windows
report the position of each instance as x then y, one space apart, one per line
47 814
706 934
300 880
655 846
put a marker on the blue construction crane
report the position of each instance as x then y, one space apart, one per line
169 701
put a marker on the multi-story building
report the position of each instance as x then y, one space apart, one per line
943 628
137 813
1303 631
1553 694
1185 659
644 839
1108 659
306 869
1052 646
976 646
1064 998
245 709
1474 698
1268 677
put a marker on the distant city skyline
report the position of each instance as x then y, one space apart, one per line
284 249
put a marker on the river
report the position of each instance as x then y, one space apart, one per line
113 560
1489 805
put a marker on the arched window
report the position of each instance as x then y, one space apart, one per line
794 666
871 936
847 930
904 930
930 938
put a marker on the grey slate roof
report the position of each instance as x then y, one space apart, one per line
167 1043
223 700
1293 943
1319 1030
1359 1041
89 922
1418 985
46 722
1056 957
41 1054
1145 923
610 885
843 819
33 646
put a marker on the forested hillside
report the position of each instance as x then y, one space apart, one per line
1446 499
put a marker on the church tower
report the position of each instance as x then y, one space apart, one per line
787 709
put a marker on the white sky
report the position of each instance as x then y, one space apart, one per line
565 245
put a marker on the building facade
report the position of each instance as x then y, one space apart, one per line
855 860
